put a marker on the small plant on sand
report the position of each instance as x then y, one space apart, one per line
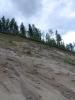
69 61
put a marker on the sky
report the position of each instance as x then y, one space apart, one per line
45 14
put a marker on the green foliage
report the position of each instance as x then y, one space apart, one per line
3 24
36 33
0 26
7 26
11 27
51 43
69 61
22 30
62 46
47 38
70 47
58 38
30 31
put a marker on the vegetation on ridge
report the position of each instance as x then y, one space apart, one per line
8 26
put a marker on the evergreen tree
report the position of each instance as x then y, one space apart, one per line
7 26
30 31
36 33
22 30
50 41
69 47
47 37
16 30
13 27
0 26
3 21
12 22
58 38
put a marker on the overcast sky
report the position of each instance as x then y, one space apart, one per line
45 14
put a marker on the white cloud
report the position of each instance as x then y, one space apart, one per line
68 11
55 14
69 37
7 9
42 19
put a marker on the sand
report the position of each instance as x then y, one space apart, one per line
35 73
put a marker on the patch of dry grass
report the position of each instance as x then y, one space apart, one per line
69 61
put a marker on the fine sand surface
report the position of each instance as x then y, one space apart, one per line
31 71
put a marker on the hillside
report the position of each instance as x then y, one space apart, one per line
33 71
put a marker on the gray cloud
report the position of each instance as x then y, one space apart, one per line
60 18
28 7
45 14
63 24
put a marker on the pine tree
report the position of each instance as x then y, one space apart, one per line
70 47
16 30
0 26
47 37
22 30
13 27
12 22
3 21
30 31
7 26
36 33
58 38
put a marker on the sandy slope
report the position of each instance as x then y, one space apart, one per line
33 72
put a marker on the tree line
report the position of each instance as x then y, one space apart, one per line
53 39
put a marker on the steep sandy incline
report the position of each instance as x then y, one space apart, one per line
32 72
